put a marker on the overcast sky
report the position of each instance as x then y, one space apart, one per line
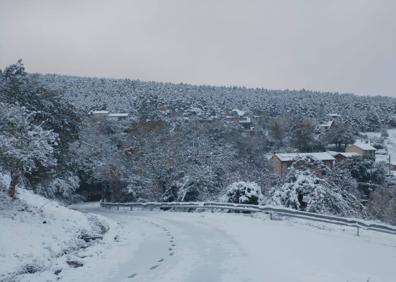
333 45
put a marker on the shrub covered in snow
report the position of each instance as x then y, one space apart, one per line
244 193
364 169
186 189
61 187
183 190
308 190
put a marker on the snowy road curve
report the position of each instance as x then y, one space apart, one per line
168 246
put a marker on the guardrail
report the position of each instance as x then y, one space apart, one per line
270 210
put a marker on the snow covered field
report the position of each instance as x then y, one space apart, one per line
170 246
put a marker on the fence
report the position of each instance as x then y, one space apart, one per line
270 210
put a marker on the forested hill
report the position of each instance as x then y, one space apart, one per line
189 143
182 101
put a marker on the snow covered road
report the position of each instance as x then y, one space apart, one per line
169 246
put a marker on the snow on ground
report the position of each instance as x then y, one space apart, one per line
174 246
34 232
170 246
100 260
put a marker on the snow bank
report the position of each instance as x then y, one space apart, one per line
35 230
103 260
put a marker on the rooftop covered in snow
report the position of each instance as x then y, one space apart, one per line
118 115
321 156
99 112
334 115
364 146
240 113
349 154
326 124
345 154
245 120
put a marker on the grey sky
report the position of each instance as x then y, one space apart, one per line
336 45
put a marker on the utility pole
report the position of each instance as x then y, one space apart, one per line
389 165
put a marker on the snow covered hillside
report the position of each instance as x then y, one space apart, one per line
180 101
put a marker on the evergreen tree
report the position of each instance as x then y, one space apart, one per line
24 147
303 136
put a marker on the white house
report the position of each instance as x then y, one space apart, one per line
361 148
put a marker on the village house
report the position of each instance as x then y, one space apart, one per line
246 123
108 115
392 166
238 113
339 156
326 126
282 162
99 114
361 148
240 117
334 116
117 116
